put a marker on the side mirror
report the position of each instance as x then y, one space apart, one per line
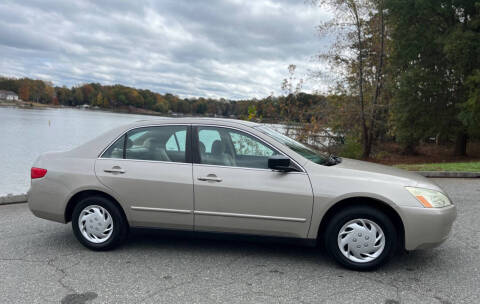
279 163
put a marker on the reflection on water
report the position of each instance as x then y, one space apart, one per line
27 133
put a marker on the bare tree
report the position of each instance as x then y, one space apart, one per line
358 57
291 87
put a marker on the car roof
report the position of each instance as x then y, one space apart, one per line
195 120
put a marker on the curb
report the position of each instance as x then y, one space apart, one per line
13 199
449 174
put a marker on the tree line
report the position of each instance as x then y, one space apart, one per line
119 97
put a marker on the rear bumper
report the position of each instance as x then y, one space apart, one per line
46 199
427 227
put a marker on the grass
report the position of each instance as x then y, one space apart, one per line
457 166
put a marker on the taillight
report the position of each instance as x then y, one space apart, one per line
37 172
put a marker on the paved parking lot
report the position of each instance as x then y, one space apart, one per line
41 262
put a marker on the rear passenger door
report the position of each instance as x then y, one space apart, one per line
150 169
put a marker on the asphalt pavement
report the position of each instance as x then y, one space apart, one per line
41 262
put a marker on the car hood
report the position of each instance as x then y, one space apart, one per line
363 169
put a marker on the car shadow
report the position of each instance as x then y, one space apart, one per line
153 241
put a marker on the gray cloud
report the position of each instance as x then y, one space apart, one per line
219 48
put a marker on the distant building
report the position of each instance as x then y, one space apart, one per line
8 95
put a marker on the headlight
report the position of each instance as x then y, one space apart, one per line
430 198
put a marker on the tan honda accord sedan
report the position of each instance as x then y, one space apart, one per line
237 177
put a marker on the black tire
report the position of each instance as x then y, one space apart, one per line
360 212
120 225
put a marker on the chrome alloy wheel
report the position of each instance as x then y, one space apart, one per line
361 240
95 223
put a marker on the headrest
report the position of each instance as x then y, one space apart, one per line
202 148
217 147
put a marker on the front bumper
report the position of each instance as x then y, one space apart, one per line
427 227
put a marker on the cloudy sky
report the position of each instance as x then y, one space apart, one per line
215 48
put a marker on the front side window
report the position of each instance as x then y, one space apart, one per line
207 136
163 143
246 145
312 155
229 147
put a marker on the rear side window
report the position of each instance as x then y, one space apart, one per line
177 141
163 143
115 150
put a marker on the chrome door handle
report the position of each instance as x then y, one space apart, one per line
210 178
115 170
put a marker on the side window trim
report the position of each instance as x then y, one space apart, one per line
195 145
176 140
188 145
124 152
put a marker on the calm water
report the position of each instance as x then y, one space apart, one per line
27 133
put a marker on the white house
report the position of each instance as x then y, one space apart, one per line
8 95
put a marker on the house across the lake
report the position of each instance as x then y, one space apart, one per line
8 95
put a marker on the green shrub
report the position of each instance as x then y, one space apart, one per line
351 149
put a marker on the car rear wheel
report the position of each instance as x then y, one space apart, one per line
361 237
98 223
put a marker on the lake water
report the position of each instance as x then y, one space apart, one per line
27 133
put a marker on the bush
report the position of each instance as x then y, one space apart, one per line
352 148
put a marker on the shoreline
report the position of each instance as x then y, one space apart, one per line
120 110
40 106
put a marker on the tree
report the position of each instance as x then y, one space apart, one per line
77 97
470 109
88 93
24 93
358 56
161 104
291 87
99 100
435 53
9 84
50 96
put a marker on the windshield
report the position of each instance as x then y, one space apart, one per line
301 149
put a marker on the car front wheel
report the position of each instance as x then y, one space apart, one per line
98 223
361 237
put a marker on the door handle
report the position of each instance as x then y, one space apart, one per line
210 179
115 170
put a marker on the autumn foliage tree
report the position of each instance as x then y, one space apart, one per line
24 93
